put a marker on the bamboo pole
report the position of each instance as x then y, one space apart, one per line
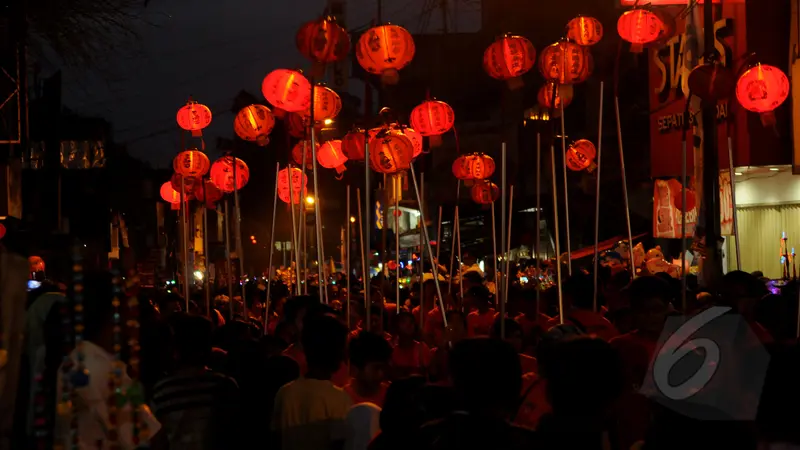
500 285
555 228
272 244
566 190
238 231
346 261
624 186
184 211
364 267
229 263
508 243
395 181
597 200
294 234
538 246
365 244
733 202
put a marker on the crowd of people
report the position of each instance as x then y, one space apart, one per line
158 372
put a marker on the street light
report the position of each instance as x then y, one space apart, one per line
327 121
352 219
310 200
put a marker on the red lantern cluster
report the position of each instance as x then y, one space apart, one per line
191 163
384 50
761 89
222 174
580 155
508 58
327 104
323 41
287 89
297 153
391 152
294 179
194 117
563 95
331 156
296 125
484 193
353 145
416 139
473 167
640 27
566 63
187 182
207 192
254 123
432 118
585 31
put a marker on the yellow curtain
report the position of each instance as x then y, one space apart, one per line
760 229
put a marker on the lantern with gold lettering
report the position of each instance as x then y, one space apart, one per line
473 167
191 163
287 90
484 192
390 152
415 137
585 31
297 153
432 118
194 117
294 179
222 174
640 27
580 155
254 123
508 58
331 156
761 89
563 96
384 50
566 63
327 104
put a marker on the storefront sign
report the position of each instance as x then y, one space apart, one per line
667 217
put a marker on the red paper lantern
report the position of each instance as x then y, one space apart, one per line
323 41
353 145
563 94
297 154
191 163
299 180
2 231
580 155
194 117
691 200
415 137
287 89
484 193
207 192
432 118
327 104
390 152
566 63
474 166
297 125
640 27
188 183
331 156
508 58
223 177
585 31
254 123
384 50
170 195
761 89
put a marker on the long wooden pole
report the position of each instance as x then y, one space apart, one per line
365 244
320 243
508 244
302 261
624 186
395 187
557 237
364 267
229 263
597 201
537 248
294 251
272 244
346 261
238 231
566 191
501 284
184 211
732 176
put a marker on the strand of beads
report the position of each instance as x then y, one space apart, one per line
115 398
135 393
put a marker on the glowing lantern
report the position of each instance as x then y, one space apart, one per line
188 183
640 27
2 231
566 63
36 264
191 163
297 153
508 58
390 152
254 123
432 118
563 96
384 50
484 193
207 192
691 200
294 179
391 265
761 89
222 174
353 145
331 156
323 41
169 194
580 155
287 89
327 104
475 166
194 117
585 31
415 138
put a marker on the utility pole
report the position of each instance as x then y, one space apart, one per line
712 266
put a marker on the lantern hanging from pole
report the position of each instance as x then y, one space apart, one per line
297 196
585 31
390 152
327 104
415 137
580 155
194 117
566 63
170 195
222 174
563 94
254 123
188 183
640 27
208 192
384 50
191 163
432 118
297 125
353 145
761 89
297 154
473 167
287 89
298 181
331 156
323 41
484 193
508 58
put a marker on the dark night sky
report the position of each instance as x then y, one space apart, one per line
211 50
